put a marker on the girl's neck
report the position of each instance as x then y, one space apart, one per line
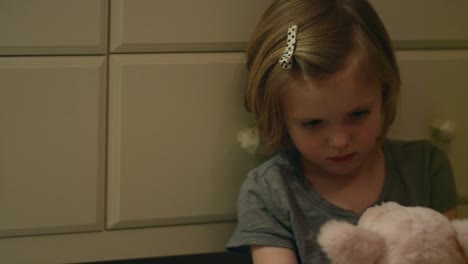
314 173
356 191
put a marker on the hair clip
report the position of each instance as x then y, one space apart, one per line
286 59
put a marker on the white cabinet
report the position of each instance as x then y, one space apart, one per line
173 155
116 244
52 119
53 27
120 155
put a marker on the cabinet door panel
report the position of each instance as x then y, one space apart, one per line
183 25
425 23
434 87
53 27
173 155
51 144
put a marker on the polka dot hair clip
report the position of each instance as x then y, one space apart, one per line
286 59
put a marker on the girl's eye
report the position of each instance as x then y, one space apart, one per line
312 123
358 114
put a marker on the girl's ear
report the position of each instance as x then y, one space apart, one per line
461 229
345 243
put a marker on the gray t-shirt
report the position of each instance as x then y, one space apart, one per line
276 206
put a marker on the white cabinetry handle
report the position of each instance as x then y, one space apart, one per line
249 140
443 130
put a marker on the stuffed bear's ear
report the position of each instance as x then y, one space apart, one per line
461 228
346 243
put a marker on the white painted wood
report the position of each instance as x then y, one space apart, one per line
116 244
183 25
423 24
53 27
52 112
173 154
435 85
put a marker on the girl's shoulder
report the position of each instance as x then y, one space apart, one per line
405 145
409 148
413 153
269 180
269 173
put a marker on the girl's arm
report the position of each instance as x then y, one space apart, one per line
273 255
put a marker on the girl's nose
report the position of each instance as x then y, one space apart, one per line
339 139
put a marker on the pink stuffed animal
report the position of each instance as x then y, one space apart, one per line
395 234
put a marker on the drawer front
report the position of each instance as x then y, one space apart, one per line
183 25
173 123
421 24
53 27
52 144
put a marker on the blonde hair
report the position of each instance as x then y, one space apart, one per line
329 33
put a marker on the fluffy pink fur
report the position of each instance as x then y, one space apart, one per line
356 245
461 229
394 234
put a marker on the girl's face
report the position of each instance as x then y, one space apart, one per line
334 122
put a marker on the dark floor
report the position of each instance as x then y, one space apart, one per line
213 258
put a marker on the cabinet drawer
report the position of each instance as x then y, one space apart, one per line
183 25
425 23
434 87
173 154
51 144
53 27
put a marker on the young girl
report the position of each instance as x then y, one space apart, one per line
322 88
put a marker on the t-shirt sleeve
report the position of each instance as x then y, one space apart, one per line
443 189
262 218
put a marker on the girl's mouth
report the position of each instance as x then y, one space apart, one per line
342 158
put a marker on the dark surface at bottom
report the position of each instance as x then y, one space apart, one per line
212 258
